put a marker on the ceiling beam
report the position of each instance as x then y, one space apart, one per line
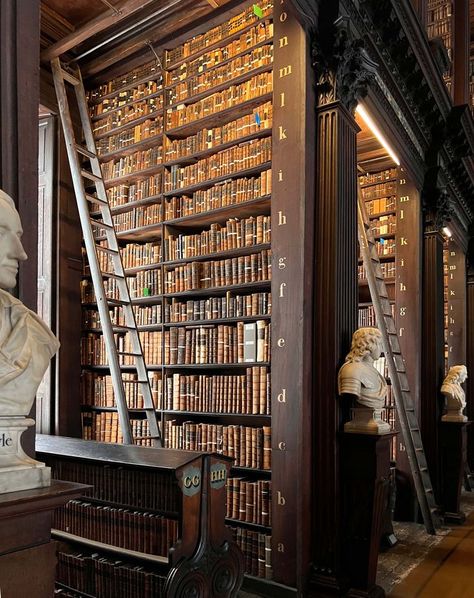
110 17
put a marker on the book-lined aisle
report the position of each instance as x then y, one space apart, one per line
439 24
186 154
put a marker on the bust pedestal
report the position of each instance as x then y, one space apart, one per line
365 465
453 438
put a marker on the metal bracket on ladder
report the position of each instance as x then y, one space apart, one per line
77 153
396 368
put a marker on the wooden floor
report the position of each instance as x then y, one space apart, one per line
447 571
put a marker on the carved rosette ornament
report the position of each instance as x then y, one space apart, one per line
343 68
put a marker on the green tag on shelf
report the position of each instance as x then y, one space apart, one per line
257 11
146 291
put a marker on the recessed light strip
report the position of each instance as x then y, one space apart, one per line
377 133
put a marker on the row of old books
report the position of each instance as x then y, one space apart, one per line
136 191
126 115
142 488
384 225
140 216
212 308
133 530
378 206
140 254
145 283
257 551
218 273
249 501
249 447
97 389
260 118
126 96
248 393
256 35
150 70
99 576
105 427
386 247
200 42
232 96
221 344
378 177
238 157
367 316
148 129
388 270
234 234
133 163
93 351
202 82
379 191
228 193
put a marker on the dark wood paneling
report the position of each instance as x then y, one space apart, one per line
292 293
432 355
335 320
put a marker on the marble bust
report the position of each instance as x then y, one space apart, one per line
454 393
360 379
26 347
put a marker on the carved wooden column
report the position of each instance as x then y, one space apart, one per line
432 354
456 301
470 355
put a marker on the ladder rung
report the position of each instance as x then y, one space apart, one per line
70 78
93 199
128 354
116 302
137 381
146 438
107 250
101 224
90 175
113 275
85 152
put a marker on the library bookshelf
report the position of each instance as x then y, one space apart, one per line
188 152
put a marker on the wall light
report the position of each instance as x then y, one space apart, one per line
447 232
376 131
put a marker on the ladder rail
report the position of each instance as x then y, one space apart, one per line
403 400
59 77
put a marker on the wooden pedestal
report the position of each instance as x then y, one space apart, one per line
453 460
27 554
365 483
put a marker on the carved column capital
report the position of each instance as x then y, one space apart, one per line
343 67
436 201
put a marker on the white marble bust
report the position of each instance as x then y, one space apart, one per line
26 347
454 393
360 379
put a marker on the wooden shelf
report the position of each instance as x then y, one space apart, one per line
110 503
217 321
136 269
123 552
222 42
133 176
193 158
125 368
216 366
206 414
254 526
216 291
128 125
217 118
111 409
252 207
138 81
130 149
220 255
131 205
144 98
223 177
63 586
150 232
382 258
390 180
380 214
150 300
248 50
251 471
217 88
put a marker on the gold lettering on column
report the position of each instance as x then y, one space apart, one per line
281 547
280 175
404 198
285 71
281 500
281 398
281 263
282 446
403 241
402 181
283 41
282 133
403 311
402 447
452 321
281 218
452 268
282 289
283 17
402 262
282 99
402 214
452 293
281 342
401 331
452 254
403 287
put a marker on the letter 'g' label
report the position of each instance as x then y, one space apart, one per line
191 481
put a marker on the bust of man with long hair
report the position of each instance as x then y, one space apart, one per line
26 348
454 393
360 379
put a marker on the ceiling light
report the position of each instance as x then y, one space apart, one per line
447 232
376 131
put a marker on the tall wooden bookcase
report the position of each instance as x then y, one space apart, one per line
206 168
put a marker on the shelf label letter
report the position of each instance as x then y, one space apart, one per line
282 289
285 71
404 198
283 41
281 500
283 17
281 342
282 133
281 218
280 175
282 99
403 241
282 446
281 263
403 287
281 547
281 398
